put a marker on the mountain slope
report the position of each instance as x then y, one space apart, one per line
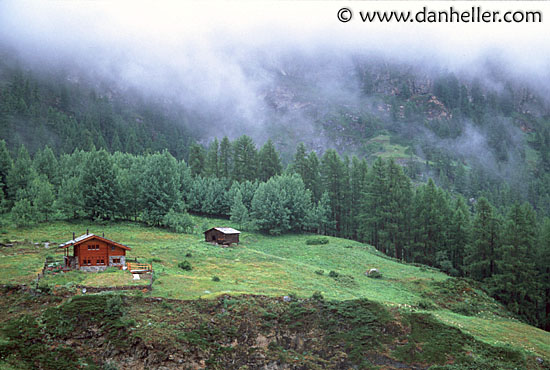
412 316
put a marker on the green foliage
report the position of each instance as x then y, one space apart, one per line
98 184
178 222
215 278
22 213
281 204
317 241
185 265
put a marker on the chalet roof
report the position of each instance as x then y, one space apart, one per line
225 230
85 237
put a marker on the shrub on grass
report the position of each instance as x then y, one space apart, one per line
320 272
333 274
185 265
215 278
318 296
317 241
426 305
188 255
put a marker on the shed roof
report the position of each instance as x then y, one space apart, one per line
225 230
85 237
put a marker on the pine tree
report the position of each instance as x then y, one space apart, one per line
45 163
245 159
481 255
212 160
21 174
269 163
543 268
226 158
42 196
98 184
301 165
334 177
161 187
196 159
6 165
399 209
22 212
515 276
373 206
69 197
239 213
459 232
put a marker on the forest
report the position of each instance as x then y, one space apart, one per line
70 152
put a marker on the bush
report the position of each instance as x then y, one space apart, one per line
215 278
333 274
188 255
185 265
178 222
320 272
318 296
317 241
426 305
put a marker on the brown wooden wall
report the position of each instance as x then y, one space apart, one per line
220 238
94 255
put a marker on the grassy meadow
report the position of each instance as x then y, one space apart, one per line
271 266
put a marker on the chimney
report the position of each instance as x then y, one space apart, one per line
103 234
86 231
73 235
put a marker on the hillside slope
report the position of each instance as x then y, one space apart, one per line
411 317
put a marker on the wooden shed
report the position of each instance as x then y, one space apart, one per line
222 235
94 253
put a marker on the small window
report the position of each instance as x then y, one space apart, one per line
112 247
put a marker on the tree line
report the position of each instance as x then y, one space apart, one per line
508 251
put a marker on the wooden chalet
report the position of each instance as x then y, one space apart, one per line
93 253
222 235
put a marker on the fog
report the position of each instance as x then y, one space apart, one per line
263 68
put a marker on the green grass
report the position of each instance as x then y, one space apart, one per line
272 266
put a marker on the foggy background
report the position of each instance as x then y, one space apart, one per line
267 68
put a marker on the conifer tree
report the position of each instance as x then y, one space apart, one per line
6 165
161 187
98 184
239 213
196 159
45 163
481 255
245 159
69 197
459 232
334 178
269 163
515 266
42 196
226 158
21 174
212 160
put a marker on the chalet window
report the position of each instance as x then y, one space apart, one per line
116 260
112 247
